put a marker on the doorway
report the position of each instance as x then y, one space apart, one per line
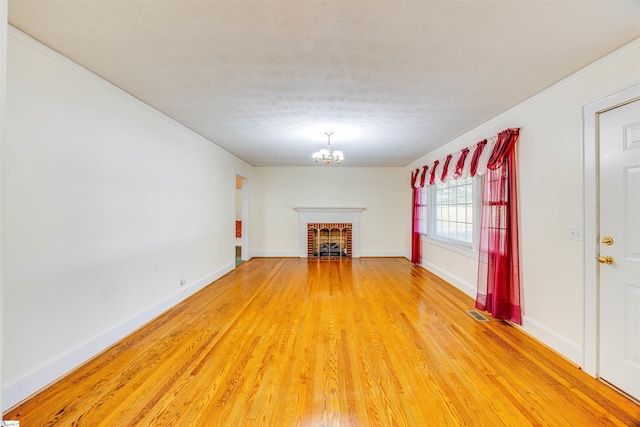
612 240
241 246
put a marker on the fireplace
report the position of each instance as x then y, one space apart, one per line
330 232
329 240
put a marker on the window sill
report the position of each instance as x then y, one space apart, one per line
460 249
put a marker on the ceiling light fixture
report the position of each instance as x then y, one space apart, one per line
326 155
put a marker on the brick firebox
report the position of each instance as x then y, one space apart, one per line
329 240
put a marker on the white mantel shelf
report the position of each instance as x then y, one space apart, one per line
331 216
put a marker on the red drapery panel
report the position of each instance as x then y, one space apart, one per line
415 232
415 219
498 267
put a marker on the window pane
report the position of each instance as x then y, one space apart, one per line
453 211
462 230
461 213
461 194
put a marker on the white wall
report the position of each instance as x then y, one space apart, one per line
277 191
551 198
3 86
107 204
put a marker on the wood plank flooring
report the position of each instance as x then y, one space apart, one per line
291 342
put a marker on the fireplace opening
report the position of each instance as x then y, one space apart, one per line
330 243
329 240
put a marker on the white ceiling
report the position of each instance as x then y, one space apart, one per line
392 79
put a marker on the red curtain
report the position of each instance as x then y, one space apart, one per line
415 231
445 168
460 165
415 219
476 157
498 267
432 180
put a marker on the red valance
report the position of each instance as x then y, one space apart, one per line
470 161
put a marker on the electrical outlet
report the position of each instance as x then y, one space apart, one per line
183 280
575 233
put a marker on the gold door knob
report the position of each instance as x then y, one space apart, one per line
605 259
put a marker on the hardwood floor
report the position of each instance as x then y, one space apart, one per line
291 342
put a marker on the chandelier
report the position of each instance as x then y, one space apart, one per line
326 155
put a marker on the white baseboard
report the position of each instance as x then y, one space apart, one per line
465 287
40 378
558 343
373 254
296 254
275 254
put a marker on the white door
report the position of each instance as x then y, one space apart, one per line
620 240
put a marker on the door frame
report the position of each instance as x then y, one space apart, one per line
591 112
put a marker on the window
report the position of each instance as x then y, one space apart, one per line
451 212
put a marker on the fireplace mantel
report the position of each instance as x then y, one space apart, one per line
330 215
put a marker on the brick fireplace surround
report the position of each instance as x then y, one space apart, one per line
329 216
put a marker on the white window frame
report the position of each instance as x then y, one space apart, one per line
470 250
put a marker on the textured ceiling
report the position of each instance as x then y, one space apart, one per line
392 79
